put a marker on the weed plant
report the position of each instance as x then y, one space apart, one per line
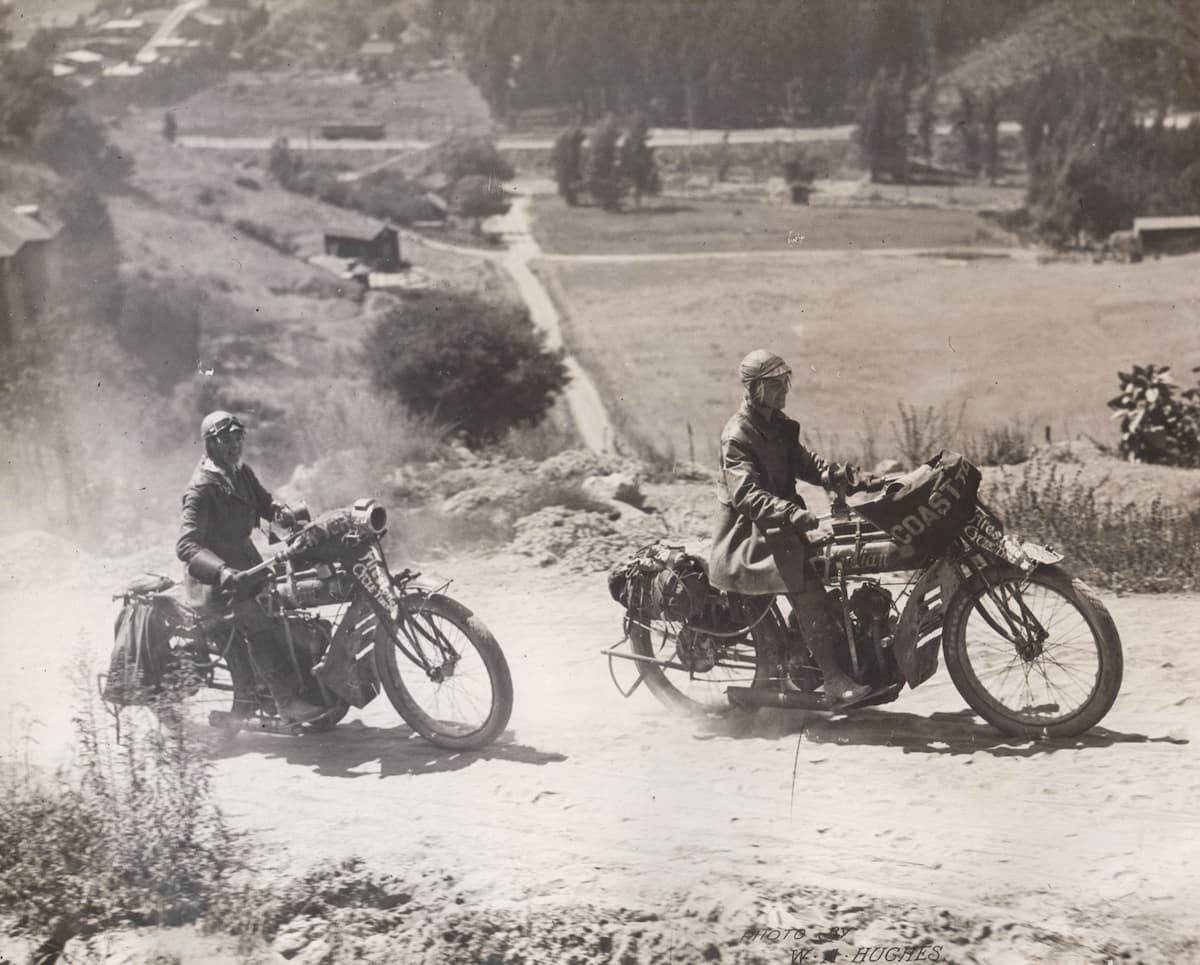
132 836
1129 548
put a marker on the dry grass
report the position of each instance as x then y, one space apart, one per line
674 225
1039 343
295 104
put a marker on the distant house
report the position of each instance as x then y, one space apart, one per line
25 239
84 61
361 132
377 58
1167 235
378 250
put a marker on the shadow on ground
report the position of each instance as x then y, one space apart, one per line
939 733
357 750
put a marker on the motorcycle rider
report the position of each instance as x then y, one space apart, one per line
758 546
223 503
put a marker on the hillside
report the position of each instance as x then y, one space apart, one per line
1146 37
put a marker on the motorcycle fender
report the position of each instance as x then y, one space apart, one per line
344 668
918 662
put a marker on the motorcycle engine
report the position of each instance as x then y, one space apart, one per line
871 612
696 650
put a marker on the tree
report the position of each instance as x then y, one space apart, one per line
477 197
461 155
568 164
967 126
475 365
882 132
990 122
602 175
27 87
636 161
72 142
283 163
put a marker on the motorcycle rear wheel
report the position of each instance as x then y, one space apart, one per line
464 702
1037 655
702 694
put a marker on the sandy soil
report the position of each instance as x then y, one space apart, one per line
603 829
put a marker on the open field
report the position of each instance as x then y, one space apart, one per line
1014 340
698 226
430 105
30 15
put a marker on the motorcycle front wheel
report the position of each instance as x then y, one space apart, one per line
1035 655
457 693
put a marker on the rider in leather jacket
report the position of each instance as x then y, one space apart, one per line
223 503
758 545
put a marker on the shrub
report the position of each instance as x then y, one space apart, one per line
603 177
460 156
568 164
477 197
477 366
921 434
1157 425
135 838
1129 548
160 325
1005 445
265 235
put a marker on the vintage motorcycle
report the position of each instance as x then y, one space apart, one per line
352 628
913 562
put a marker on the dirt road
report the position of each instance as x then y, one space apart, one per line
895 822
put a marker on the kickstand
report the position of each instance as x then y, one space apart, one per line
621 690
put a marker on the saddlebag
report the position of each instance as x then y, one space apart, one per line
662 582
928 507
141 657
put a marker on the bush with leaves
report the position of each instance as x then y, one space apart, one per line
134 838
636 160
568 164
461 155
602 172
1158 422
477 197
1134 548
476 366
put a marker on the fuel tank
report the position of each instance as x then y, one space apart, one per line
861 547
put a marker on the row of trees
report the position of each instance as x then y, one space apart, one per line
473 168
709 63
607 163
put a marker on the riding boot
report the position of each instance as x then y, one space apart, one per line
770 665
241 672
817 630
268 654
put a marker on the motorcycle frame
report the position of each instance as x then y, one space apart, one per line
930 591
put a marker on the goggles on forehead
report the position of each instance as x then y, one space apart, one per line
224 428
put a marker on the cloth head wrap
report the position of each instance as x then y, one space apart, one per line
761 364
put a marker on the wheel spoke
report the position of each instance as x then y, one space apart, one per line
1031 652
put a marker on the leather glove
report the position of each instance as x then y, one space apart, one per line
230 580
803 520
284 515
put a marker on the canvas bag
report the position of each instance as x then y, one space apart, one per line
928 507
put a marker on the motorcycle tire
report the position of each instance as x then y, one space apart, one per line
1005 675
694 694
427 701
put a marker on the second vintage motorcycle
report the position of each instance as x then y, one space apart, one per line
353 628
